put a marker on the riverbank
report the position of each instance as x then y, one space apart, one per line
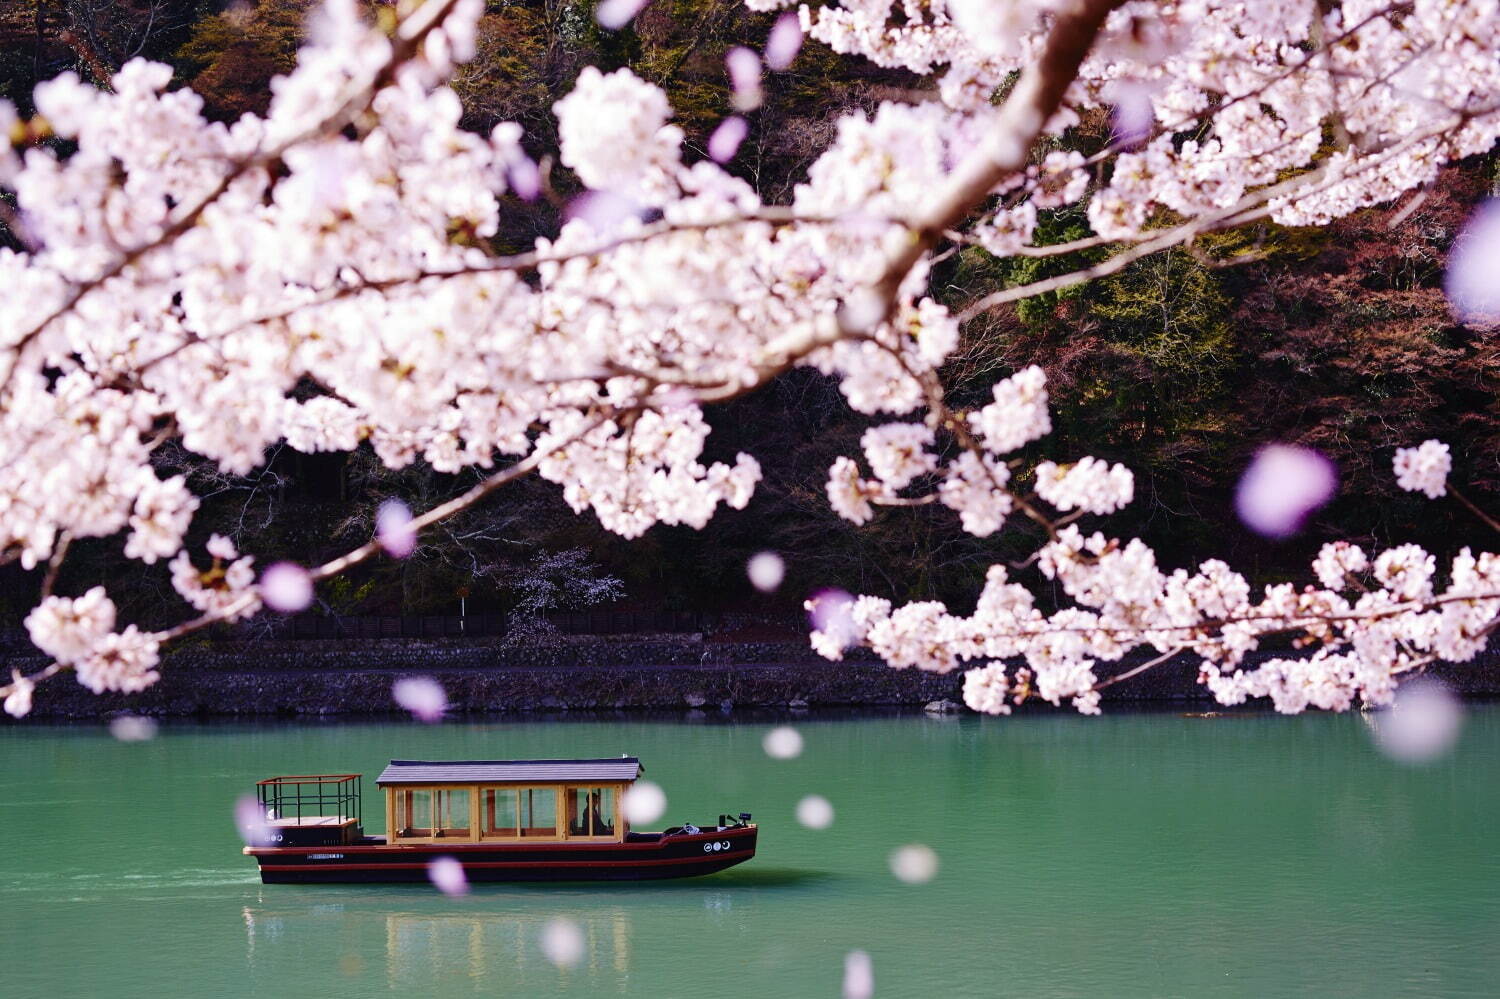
636 673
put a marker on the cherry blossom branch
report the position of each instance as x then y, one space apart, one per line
409 37
1036 97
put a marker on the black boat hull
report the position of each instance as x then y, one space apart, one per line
640 858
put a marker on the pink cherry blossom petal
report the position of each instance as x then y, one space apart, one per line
133 728
604 211
815 812
1421 725
448 876
393 529
766 571
644 803
859 975
782 743
829 612
286 587
524 178
1282 487
914 864
1473 280
1133 114
423 696
784 41
563 943
250 820
725 141
615 14
744 77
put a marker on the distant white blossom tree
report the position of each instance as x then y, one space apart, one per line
180 278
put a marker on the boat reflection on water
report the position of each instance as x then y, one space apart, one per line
416 952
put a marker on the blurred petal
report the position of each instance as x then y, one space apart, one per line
644 803
422 696
815 812
448 875
784 41
915 864
393 529
615 14
562 942
725 141
286 587
1473 280
783 743
1282 487
1421 725
766 571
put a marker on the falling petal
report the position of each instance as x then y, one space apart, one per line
784 41
914 864
644 803
448 875
725 141
1134 113
615 14
783 743
1421 725
422 696
829 612
524 178
393 529
744 77
132 728
1282 487
1473 280
603 211
859 975
562 942
250 820
286 587
766 571
815 812
862 311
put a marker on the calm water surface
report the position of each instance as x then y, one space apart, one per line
1129 855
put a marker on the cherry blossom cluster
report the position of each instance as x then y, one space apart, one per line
324 276
1213 102
1371 620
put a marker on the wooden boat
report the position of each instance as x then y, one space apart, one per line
503 820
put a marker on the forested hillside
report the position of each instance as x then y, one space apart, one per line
1180 366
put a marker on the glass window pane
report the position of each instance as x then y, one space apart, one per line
414 813
604 812
538 811
453 812
500 812
578 811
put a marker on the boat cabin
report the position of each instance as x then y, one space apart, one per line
507 800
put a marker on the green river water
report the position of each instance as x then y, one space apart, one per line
1146 854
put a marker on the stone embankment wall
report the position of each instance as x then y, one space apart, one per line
685 673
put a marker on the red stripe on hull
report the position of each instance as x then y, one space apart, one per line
709 860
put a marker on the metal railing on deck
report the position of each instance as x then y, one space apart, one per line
311 795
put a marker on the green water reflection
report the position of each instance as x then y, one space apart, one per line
1130 855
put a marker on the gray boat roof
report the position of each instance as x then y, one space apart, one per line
609 770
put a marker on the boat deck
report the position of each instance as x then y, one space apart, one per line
310 820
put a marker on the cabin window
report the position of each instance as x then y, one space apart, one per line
591 811
538 811
433 812
502 812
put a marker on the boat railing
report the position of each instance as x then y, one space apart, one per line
308 796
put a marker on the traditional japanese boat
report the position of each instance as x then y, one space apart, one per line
503 820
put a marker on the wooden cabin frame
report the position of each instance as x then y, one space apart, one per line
480 809
483 798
